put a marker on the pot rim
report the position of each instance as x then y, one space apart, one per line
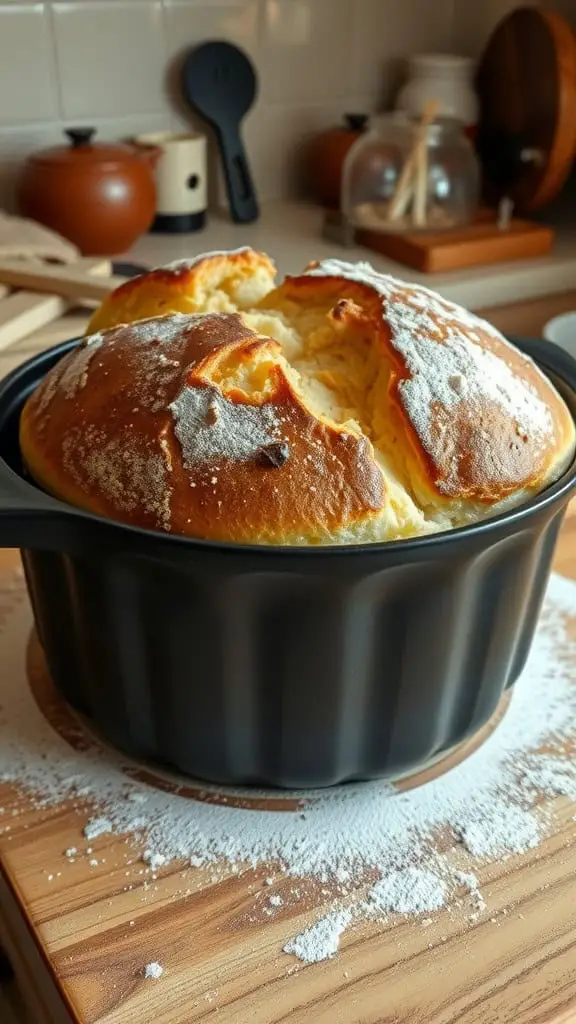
553 361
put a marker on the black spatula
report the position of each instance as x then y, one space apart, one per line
219 83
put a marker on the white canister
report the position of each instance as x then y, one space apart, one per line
181 181
446 79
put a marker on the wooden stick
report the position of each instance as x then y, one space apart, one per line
24 312
404 188
64 281
401 198
421 187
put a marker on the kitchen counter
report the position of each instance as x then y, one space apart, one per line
292 234
79 933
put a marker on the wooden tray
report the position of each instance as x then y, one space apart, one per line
478 244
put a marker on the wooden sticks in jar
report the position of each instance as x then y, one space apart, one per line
412 187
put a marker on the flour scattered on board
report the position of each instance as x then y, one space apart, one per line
153 971
410 890
366 852
154 860
321 940
97 827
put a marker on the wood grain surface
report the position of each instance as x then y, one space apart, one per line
68 281
23 313
526 84
79 940
470 246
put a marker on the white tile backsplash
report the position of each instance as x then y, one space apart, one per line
188 22
385 32
305 51
27 68
115 64
110 58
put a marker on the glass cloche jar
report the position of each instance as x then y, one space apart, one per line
405 175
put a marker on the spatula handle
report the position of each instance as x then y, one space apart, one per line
239 185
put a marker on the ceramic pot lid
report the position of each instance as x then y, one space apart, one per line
83 152
526 85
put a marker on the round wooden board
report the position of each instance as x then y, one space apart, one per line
527 88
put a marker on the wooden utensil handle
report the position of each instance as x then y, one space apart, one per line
56 280
24 312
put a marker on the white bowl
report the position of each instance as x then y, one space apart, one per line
562 331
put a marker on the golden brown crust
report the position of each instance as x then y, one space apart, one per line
102 432
197 424
182 287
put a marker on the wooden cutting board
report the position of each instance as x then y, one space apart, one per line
526 85
34 294
79 940
471 246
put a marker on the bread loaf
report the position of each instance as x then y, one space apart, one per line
342 406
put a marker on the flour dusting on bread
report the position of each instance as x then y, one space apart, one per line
211 427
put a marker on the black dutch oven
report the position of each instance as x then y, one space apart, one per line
292 667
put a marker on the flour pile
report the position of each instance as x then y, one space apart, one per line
377 848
